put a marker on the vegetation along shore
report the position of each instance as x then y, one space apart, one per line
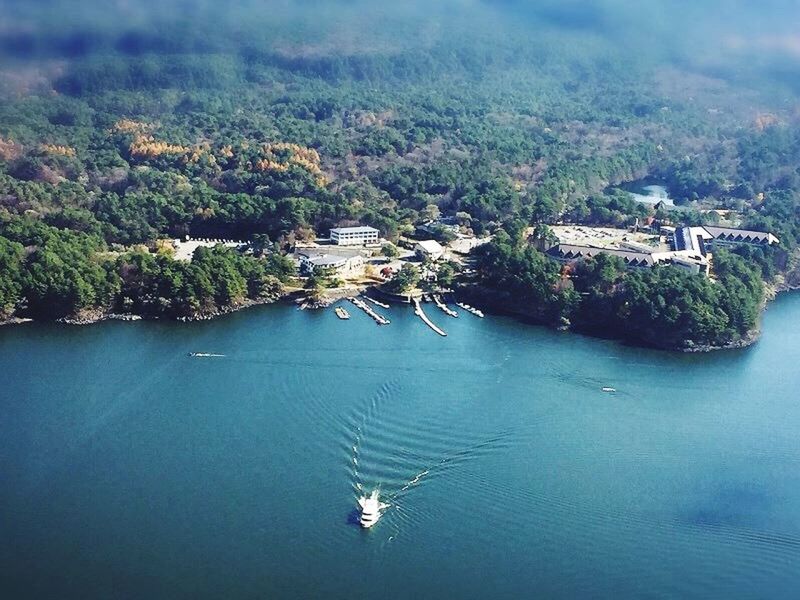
154 173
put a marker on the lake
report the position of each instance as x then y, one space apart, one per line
131 470
649 193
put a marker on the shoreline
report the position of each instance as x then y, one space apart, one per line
98 316
483 298
473 293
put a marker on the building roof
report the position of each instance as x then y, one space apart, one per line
730 234
326 260
692 238
569 251
361 229
630 257
430 246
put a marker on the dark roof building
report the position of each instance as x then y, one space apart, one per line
729 235
685 259
568 252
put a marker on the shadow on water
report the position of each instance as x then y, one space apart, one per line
354 518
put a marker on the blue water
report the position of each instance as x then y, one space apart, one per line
130 470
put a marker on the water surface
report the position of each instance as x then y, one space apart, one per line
131 470
649 193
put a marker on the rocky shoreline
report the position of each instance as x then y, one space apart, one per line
91 317
498 303
489 300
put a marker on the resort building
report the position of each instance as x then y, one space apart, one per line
354 236
429 249
315 262
696 239
728 236
689 247
688 260
701 238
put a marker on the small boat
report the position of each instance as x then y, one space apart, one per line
204 355
470 309
609 389
341 313
371 508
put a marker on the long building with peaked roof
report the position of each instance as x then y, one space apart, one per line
732 236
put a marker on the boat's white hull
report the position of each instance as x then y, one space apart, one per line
370 510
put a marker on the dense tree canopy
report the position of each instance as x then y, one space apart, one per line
231 130
664 306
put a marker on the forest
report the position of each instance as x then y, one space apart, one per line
238 126
663 306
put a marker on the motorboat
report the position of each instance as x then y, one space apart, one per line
371 508
341 313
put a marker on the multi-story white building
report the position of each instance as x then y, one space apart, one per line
354 236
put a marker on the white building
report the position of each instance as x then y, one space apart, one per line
354 236
429 249
311 262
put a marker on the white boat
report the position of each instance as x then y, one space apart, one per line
470 309
609 389
371 508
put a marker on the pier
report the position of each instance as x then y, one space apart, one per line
470 309
379 319
375 302
445 309
421 314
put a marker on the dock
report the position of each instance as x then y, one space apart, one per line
379 319
375 302
445 309
470 309
421 314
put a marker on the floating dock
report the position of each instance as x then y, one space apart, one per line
445 309
421 314
379 319
375 302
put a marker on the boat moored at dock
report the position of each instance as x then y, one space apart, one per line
443 307
379 319
470 309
